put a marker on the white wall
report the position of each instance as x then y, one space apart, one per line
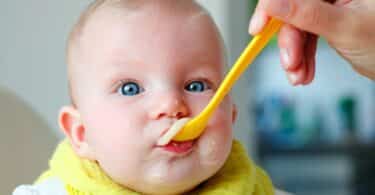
26 142
32 48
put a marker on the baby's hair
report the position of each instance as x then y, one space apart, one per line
79 27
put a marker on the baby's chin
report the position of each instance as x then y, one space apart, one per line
170 185
178 179
181 175
169 188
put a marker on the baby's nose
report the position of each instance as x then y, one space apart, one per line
172 106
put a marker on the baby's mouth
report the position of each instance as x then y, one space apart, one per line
179 147
168 135
165 141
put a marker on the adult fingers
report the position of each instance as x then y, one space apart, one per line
310 56
258 21
305 72
314 16
291 43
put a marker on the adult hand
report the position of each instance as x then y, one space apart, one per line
347 25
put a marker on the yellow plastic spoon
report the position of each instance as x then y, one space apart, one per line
194 127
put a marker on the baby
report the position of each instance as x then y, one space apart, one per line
135 67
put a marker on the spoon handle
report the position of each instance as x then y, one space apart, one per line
194 128
246 58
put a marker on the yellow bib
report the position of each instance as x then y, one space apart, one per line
238 176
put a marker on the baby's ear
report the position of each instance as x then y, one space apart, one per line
234 113
70 123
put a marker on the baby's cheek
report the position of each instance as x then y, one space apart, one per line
209 149
221 122
216 142
104 125
112 130
213 152
112 120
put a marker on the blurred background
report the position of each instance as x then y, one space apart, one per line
317 139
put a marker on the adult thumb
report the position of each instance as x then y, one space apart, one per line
314 16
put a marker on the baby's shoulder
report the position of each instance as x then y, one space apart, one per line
49 186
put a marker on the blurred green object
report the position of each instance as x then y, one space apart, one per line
347 114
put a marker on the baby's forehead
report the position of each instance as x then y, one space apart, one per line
99 17
155 8
151 23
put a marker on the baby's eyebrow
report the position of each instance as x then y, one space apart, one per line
215 75
114 76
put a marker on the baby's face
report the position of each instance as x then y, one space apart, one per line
141 74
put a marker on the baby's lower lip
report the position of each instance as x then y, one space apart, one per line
179 147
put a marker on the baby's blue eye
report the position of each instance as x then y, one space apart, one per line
196 86
130 89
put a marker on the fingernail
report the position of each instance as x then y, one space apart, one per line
292 79
285 57
279 7
255 25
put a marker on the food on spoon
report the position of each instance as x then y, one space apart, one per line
173 131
